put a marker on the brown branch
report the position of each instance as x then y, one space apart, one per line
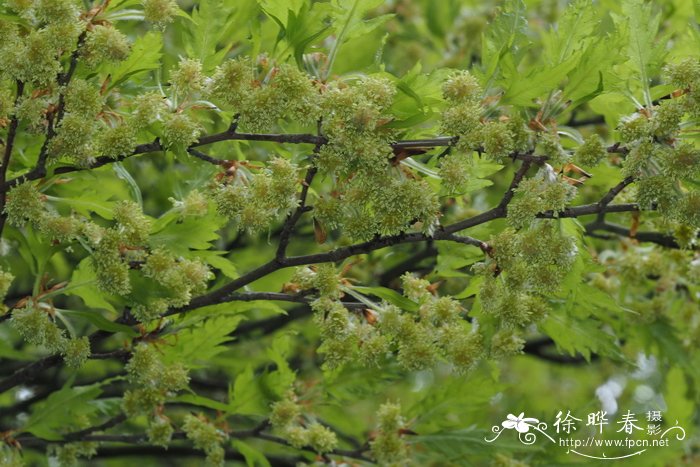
205 157
658 238
587 209
9 144
610 196
79 435
282 297
293 218
29 372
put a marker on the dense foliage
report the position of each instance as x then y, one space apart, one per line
269 232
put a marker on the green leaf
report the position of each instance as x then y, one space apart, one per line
642 27
461 446
253 457
102 323
574 31
282 378
87 204
195 346
580 336
680 406
61 410
217 261
505 40
124 174
207 32
280 10
454 259
201 401
525 88
145 56
663 336
246 396
347 18
83 285
180 237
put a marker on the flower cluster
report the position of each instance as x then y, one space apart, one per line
35 324
105 43
286 418
254 201
153 383
387 446
522 268
436 332
262 94
180 278
6 279
462 118
76 132
67 455
206 437
375 193
354 121
380 204
659 160
160 12
195 204
118 246
591 152
546 191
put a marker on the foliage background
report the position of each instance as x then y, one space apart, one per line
627 314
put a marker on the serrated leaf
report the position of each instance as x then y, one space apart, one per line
280 10
87 204
83 285
208 40
145 56
505 39
525 88
664 336
680 407
195 234
282 378
347 19
52 416
453 259
466 444
217 261
246 396
195 346
580 336
252 456
642 28
573 32
201 401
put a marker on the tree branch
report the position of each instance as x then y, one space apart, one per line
256 432
293 218
651 237
9 144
